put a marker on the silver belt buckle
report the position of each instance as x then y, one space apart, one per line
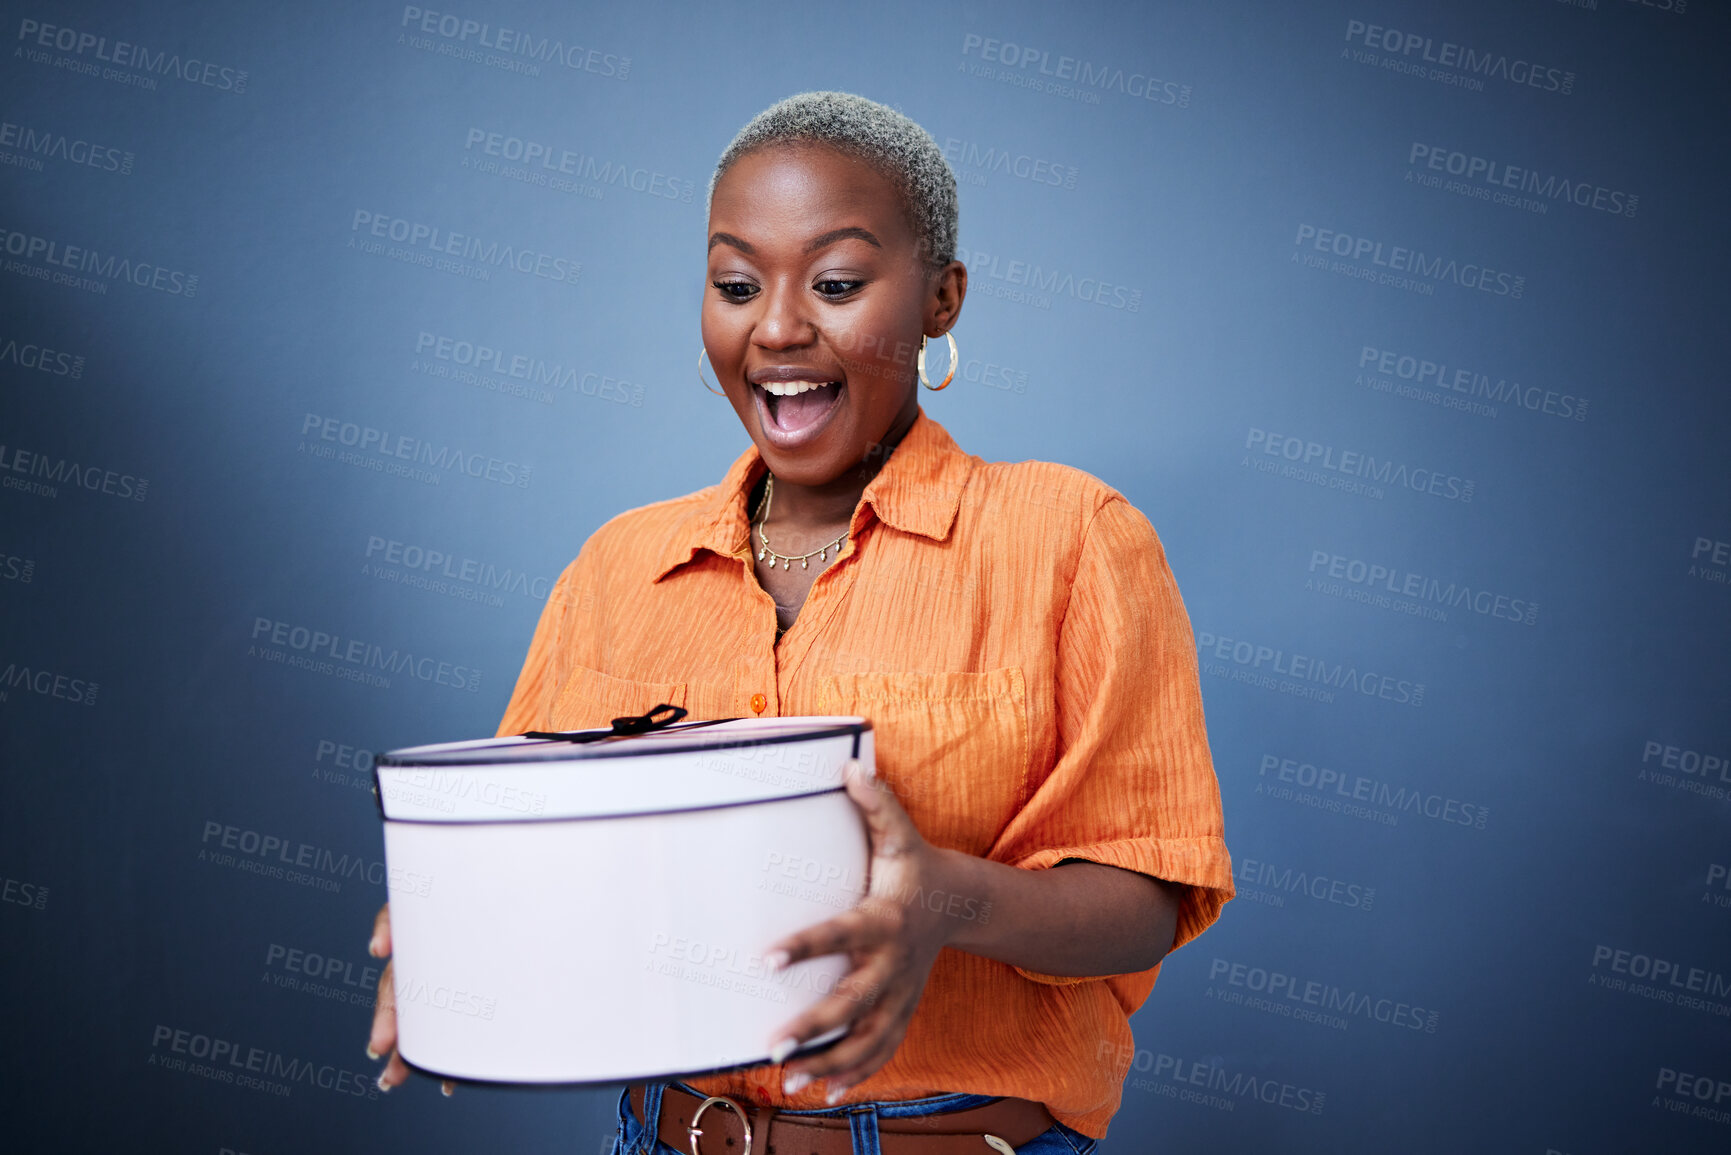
693 1132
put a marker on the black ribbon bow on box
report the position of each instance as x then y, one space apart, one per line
622 727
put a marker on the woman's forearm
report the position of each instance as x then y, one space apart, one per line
1078 919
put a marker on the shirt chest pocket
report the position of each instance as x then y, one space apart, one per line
953 746
588 698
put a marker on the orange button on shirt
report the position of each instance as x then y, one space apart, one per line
1015 636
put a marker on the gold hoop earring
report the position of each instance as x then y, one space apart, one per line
701 354
953 363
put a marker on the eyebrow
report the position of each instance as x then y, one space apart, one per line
812 246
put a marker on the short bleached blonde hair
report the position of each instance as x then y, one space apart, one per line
877 134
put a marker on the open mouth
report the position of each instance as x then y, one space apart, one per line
794 411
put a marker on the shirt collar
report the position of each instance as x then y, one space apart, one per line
918 490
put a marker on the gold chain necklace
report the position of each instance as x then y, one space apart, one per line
804 560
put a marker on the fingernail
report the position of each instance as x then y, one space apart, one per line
373 946
372 1054
780 1052
446 1089
775 960
837 1093
795 1083
384 1086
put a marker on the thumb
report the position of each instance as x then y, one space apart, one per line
891 828
863 785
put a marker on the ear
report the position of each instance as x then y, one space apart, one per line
944 304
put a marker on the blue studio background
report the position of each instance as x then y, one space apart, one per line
1398 319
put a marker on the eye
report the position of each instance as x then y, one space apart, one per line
736 290
835 289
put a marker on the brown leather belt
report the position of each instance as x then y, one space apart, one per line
1014 1121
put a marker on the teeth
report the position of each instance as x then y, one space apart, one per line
791 388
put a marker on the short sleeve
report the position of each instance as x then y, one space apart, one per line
1133 785
531 705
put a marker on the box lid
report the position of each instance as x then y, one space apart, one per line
603 773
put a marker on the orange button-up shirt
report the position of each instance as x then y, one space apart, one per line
1015 636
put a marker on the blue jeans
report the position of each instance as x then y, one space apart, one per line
636 1139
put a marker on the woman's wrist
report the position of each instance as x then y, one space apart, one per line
960 899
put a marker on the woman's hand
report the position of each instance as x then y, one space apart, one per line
890 937
383 1040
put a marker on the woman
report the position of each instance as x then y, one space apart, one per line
1045 822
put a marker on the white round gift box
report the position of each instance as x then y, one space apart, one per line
598 910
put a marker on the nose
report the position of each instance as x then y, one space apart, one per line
785 322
